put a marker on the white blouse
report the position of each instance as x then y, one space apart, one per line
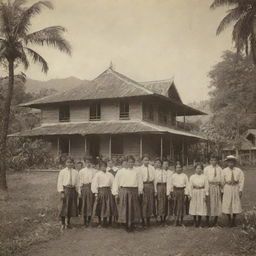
237 174
213 174
67 177
126 177
160 177
199 181
147 173
101 179
180 180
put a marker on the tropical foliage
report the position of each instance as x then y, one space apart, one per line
16 40
242 14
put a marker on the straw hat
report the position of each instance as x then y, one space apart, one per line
231 158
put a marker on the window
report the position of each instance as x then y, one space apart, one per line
124 110
151 112
95 111
64 113
148 111
163 115
117 147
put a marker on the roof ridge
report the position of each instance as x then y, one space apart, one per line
159 81
128 80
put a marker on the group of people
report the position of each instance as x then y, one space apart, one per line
134 194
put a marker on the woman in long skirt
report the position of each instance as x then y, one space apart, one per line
213 173
67 186
127 187
85 180
161 191
147 173
233 182
199 190
104 205
179 191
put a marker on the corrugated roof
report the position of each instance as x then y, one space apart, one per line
109 84
100 127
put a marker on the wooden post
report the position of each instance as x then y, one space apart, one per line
69 146
250 157
141 146
85 145
171 149
161 148
58 147
184 122
183 151
110 147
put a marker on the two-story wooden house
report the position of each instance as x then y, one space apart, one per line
113 115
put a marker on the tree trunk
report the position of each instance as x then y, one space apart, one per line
253 42
4 131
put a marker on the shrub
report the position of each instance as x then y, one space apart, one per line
249 224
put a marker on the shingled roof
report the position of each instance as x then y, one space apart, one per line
109 84
102 127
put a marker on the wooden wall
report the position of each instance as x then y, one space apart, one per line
80 112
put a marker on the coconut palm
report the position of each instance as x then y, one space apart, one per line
243 15
16 40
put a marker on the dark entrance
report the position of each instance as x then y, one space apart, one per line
94 146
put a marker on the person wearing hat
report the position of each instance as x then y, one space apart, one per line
233 184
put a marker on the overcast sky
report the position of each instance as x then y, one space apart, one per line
145 40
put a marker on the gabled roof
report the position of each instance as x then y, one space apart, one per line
166 88
245 145
250 131
103 127
109 84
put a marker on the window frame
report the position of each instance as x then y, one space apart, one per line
123 113
97 115
64 117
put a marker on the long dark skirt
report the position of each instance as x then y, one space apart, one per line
105 205
69 203
162 202
148 200
87 200
181 203
129 206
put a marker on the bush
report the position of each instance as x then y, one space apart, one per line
25 153
249 224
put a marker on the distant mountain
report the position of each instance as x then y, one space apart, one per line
60 85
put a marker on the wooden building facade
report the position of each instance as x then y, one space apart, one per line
114 116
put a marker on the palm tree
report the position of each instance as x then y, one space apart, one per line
244 31
15 48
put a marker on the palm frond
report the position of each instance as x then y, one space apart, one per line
23 58
51 36
37 59
5 20
233 15
24 20
218 3
18 3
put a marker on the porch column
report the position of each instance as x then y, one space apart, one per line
85 146
184 121
69 146
58 146
183 151
141 146
110 147
250 156
171 149
161 148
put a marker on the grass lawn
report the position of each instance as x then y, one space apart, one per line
30 218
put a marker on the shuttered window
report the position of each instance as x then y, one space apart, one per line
124 110
64 113
95 111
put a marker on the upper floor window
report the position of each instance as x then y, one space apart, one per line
64 113
163 115
151 112
95 111
124 110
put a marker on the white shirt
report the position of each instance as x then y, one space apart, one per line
126 177
147 173
86 175
237 174
169 181
160 177
199 181
102 179
115 169
213 174
180 180
67 177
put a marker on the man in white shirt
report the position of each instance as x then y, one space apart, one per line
147 173
233 184
67 186
85 179
213 174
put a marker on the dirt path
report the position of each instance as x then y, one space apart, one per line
158 241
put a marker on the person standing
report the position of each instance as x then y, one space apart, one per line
127 187
161 191
111 168
85 193
179 191
199 190
67 186
233 184
104 205
147 173
213 174
79 167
